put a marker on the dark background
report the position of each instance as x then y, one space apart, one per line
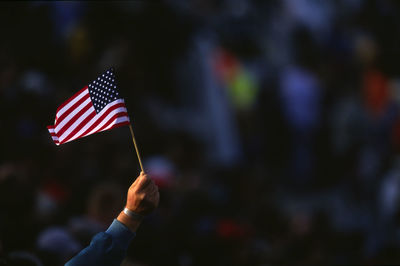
271 127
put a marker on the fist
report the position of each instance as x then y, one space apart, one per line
143 196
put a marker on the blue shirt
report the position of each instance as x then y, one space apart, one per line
106 248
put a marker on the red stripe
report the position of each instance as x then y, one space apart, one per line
72 108
53 134
70 99
100 119
125 123
73 119
111 120
80 126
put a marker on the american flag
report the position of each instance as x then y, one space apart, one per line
96 107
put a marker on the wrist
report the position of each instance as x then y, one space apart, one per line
131 222
133 215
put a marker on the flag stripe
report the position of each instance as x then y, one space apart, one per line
72 117
100 122
115 122
96 120
105 120
110 120
79 123
73 132
68 103
70 132
66 115
115 119
123 121
119 121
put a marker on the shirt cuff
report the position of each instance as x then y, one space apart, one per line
120 233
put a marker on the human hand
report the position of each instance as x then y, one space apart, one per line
143 197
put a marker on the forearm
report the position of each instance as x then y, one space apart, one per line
106 248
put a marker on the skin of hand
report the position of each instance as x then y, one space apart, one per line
143 197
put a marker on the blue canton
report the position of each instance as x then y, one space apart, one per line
103 90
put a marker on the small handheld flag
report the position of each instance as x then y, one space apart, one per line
95 108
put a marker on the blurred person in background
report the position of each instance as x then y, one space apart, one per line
104 204
109 247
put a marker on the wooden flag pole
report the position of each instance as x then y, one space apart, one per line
136 148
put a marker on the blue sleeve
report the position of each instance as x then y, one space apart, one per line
106 248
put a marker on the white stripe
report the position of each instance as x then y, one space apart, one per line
106 119
77 123
72 114
94 119
67 106
116 121
51 130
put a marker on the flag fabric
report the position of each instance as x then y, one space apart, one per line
95 108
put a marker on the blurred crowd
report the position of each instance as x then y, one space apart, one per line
272 129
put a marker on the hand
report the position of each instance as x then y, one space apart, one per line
143 198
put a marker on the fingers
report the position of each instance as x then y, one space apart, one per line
143 196
145 184
153 197
142 181
152 190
